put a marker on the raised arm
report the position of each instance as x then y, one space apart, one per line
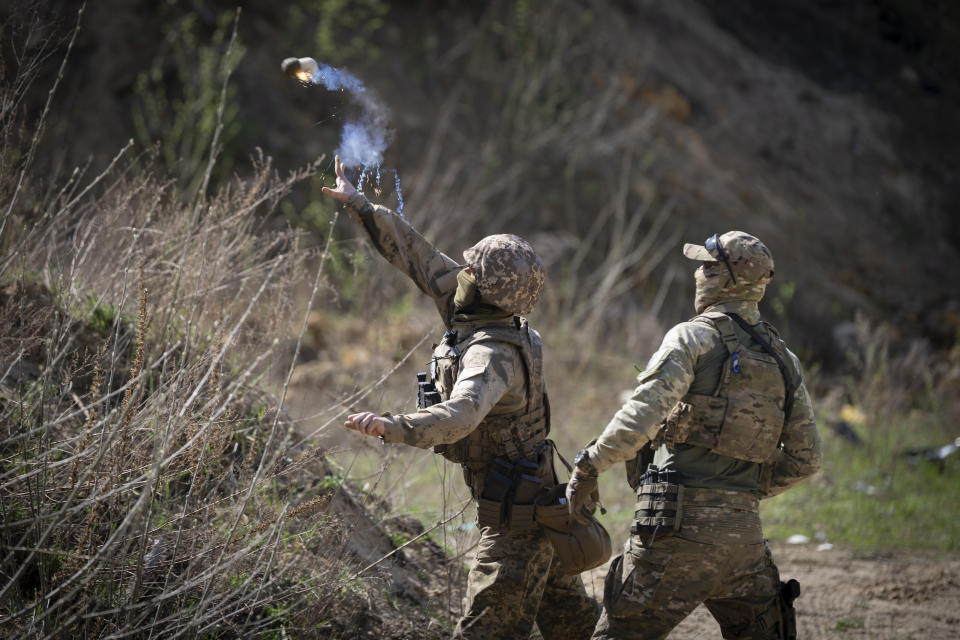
433 272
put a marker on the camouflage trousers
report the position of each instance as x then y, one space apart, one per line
514 582
650 589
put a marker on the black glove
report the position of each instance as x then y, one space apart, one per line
583 496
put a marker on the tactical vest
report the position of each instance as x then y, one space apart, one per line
746 413
513 435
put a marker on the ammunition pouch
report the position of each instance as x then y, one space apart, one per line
509 490
659 508
577 547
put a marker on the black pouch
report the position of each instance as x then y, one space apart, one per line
496 488
659 507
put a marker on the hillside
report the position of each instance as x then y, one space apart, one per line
825 130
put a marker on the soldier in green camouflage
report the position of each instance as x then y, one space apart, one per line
720 419
493 413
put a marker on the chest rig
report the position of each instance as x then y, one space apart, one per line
513 435
745 415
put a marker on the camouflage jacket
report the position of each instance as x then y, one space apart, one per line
491 374
670 374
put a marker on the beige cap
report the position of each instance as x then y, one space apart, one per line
747 256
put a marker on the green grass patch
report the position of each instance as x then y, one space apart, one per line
848 624
870 497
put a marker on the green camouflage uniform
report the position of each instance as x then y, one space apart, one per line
514 581
717 555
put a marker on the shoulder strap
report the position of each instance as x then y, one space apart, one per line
722 323
789 381
728 337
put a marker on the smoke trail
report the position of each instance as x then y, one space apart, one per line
332 78
363 138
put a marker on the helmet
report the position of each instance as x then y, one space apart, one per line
744 255
509 272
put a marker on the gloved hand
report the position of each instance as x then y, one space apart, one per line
583 495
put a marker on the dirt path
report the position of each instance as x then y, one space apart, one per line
848 595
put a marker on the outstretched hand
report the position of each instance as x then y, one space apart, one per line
344 189
367 423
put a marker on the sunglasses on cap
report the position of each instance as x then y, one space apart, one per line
716 249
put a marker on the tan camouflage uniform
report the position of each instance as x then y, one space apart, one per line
514 581
718 555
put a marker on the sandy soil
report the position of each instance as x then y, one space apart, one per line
849 595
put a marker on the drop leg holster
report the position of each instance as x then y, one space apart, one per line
789 591
781 618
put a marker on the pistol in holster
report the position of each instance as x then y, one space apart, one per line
789 591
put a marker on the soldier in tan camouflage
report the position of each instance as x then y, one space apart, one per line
720 419
492 420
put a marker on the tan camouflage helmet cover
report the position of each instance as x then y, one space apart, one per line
748 257
509 272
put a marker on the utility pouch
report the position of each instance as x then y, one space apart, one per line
659 507
678 425
522 509
490 505
578 547
489 513
527 467
496 486
528 488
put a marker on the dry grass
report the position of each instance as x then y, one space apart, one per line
148 486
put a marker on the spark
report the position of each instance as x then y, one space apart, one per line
363 174
396 176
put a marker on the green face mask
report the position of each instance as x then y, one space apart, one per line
466 295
